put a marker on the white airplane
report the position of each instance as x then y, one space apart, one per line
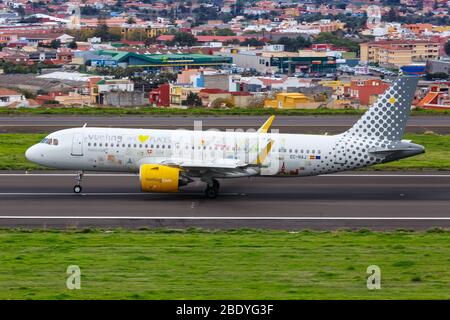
169 159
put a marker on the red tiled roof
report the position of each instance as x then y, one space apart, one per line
267 82
8 92
170 37
213 91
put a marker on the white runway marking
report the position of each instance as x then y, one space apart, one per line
220 218
68 175
103 194
136 175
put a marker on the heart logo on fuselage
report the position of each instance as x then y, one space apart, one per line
143 138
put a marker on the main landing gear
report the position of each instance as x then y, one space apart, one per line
77 188
212 189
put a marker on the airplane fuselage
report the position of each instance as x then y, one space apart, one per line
125 150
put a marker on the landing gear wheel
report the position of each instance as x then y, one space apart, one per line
211 192
77 188
216 184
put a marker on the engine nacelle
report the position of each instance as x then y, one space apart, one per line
159 178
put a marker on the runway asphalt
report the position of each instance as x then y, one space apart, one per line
286 124
381 201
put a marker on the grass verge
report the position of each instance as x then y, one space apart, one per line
237 264
437 156
195 111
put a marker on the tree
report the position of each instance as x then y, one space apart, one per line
224 32
131 20
72 45
253 42
55 44
256 102
392 15
102 31
293 45
332 38
183 39
447 48
222 103
193 100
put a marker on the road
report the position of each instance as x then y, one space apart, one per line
286 124
355 200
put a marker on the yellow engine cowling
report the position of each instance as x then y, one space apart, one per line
159 178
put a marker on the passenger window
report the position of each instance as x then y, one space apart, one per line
163 146
129 145
140 146
89 144
95 144
106 144
55 142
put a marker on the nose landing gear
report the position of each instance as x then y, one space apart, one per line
77 188
212 189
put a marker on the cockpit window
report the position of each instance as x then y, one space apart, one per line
50 141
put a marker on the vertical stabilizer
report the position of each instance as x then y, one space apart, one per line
386 118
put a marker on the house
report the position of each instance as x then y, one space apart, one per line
115 92
291 100
17 58
366 91
437 97
160 96
11 98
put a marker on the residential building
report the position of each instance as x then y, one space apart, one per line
9 98
286 100
437 97
366 91
398 53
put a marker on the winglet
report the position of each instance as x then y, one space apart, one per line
265 127
262 156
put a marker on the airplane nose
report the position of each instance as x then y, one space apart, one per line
32 153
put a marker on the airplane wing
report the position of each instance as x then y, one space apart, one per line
220 167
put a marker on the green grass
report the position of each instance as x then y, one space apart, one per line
437 156
237 264
193 111
12 150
